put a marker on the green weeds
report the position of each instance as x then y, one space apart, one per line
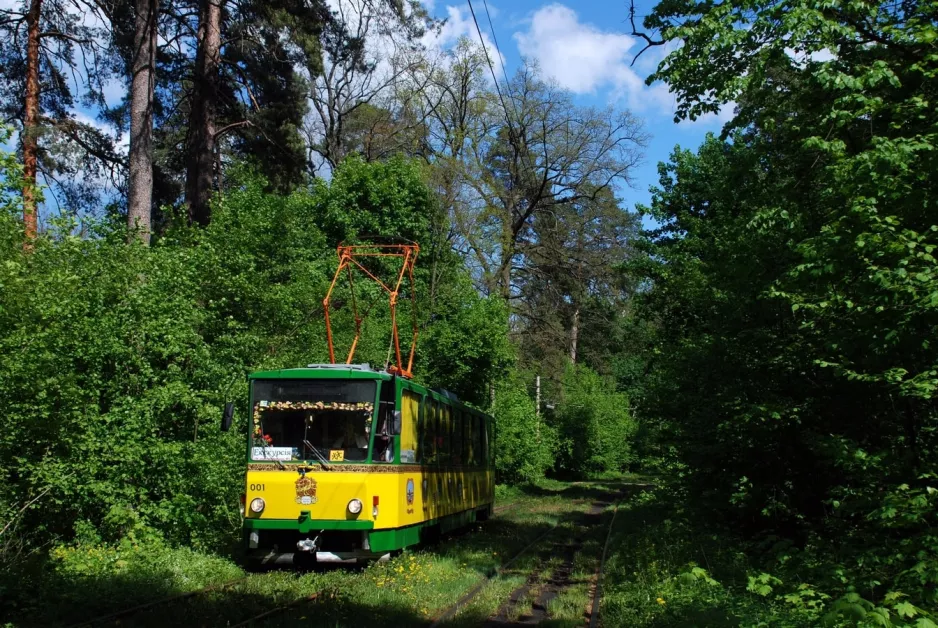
668 566
82 581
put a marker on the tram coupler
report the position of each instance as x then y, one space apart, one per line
308 545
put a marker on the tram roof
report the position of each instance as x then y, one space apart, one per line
324 371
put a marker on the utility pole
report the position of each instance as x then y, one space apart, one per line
537 408
537 398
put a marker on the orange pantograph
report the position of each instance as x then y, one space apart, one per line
349 261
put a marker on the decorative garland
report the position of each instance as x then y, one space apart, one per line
262 439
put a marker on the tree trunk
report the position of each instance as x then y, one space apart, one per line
31 123
506 280
574 333
140 194
200 168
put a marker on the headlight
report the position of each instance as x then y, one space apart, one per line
257 504
355 506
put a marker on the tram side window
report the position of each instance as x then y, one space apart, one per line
476 440
467 437
423 446
464 450
432 431
456 448
483 442
447 429
471 429
490 442
437 432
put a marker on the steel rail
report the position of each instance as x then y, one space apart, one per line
164 600
279 609
597 593
449 612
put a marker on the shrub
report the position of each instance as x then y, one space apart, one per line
594 425
524 444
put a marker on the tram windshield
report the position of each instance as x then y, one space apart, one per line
312 419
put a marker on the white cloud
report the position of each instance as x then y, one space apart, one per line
585 59
578 56
459 24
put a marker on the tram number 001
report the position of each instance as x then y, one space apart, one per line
257 487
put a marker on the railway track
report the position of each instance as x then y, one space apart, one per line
122 616
133 610
597 593
279 609
126 615
559 577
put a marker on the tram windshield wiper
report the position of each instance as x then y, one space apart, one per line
316 452
277 460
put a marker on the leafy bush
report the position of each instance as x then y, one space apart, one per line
593 422
524 443
115 359
793 277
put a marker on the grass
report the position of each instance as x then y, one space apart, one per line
415 586
667 567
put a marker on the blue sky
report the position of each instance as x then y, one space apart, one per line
584 46
581 44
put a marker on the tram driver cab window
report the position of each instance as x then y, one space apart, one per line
312 420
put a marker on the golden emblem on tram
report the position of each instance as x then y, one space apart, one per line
305 490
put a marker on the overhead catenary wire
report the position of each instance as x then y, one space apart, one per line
488 60
501 60
513 137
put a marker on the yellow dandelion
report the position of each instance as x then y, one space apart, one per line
660 601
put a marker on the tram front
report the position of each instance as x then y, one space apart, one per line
315 436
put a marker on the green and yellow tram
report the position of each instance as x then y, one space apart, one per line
347 463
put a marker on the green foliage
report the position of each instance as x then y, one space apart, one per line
793 286
386 198
524 444
115 359
469 335
671 564
594 426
